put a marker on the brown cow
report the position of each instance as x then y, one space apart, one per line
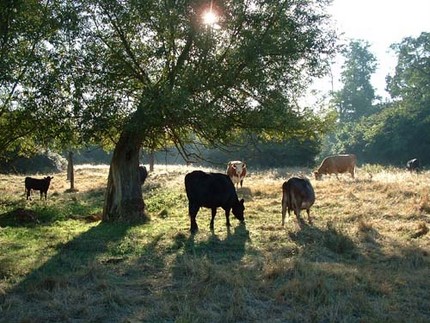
337 164
236 170
297 194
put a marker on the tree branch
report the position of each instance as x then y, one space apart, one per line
135 66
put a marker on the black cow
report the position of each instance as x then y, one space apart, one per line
413 165
297 194
143 174
212 190
41 185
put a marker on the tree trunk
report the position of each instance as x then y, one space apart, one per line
70 171
151 161
123 200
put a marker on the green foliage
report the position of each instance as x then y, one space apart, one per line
399 134
34 89
86 72
128 74
92 155
43 162
357 96
391 137
411 81
293 152
399 130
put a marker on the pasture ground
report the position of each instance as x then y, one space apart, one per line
365 258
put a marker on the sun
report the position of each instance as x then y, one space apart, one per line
209 17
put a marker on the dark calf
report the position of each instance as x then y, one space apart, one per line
212 190
41 185
413 165
143 174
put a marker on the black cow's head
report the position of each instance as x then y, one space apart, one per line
238 209
48 178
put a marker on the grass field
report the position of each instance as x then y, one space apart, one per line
364 259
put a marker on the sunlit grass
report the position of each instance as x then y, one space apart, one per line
365 258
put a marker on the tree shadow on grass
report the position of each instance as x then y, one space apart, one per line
19 217
201 269
187 278
74 255
72 268
83 206
228 250
332 238
46 215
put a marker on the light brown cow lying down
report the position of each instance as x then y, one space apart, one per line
337 164
297 194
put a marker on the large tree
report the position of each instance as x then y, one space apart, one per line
356 97
33 77
401 131
411 80
139 73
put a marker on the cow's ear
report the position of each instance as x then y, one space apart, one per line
242 201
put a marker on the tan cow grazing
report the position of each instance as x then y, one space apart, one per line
337 164
236 170
297 194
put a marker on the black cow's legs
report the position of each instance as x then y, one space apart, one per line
213 218
192 209
227 218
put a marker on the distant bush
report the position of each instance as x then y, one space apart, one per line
268 155
43 162
91 155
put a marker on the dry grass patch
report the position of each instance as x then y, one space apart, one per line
365 258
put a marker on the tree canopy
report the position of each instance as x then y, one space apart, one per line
398 130
401 130
99 62
139 73
356 98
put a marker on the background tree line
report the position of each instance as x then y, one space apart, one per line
390 132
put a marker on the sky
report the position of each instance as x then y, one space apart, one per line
381 23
